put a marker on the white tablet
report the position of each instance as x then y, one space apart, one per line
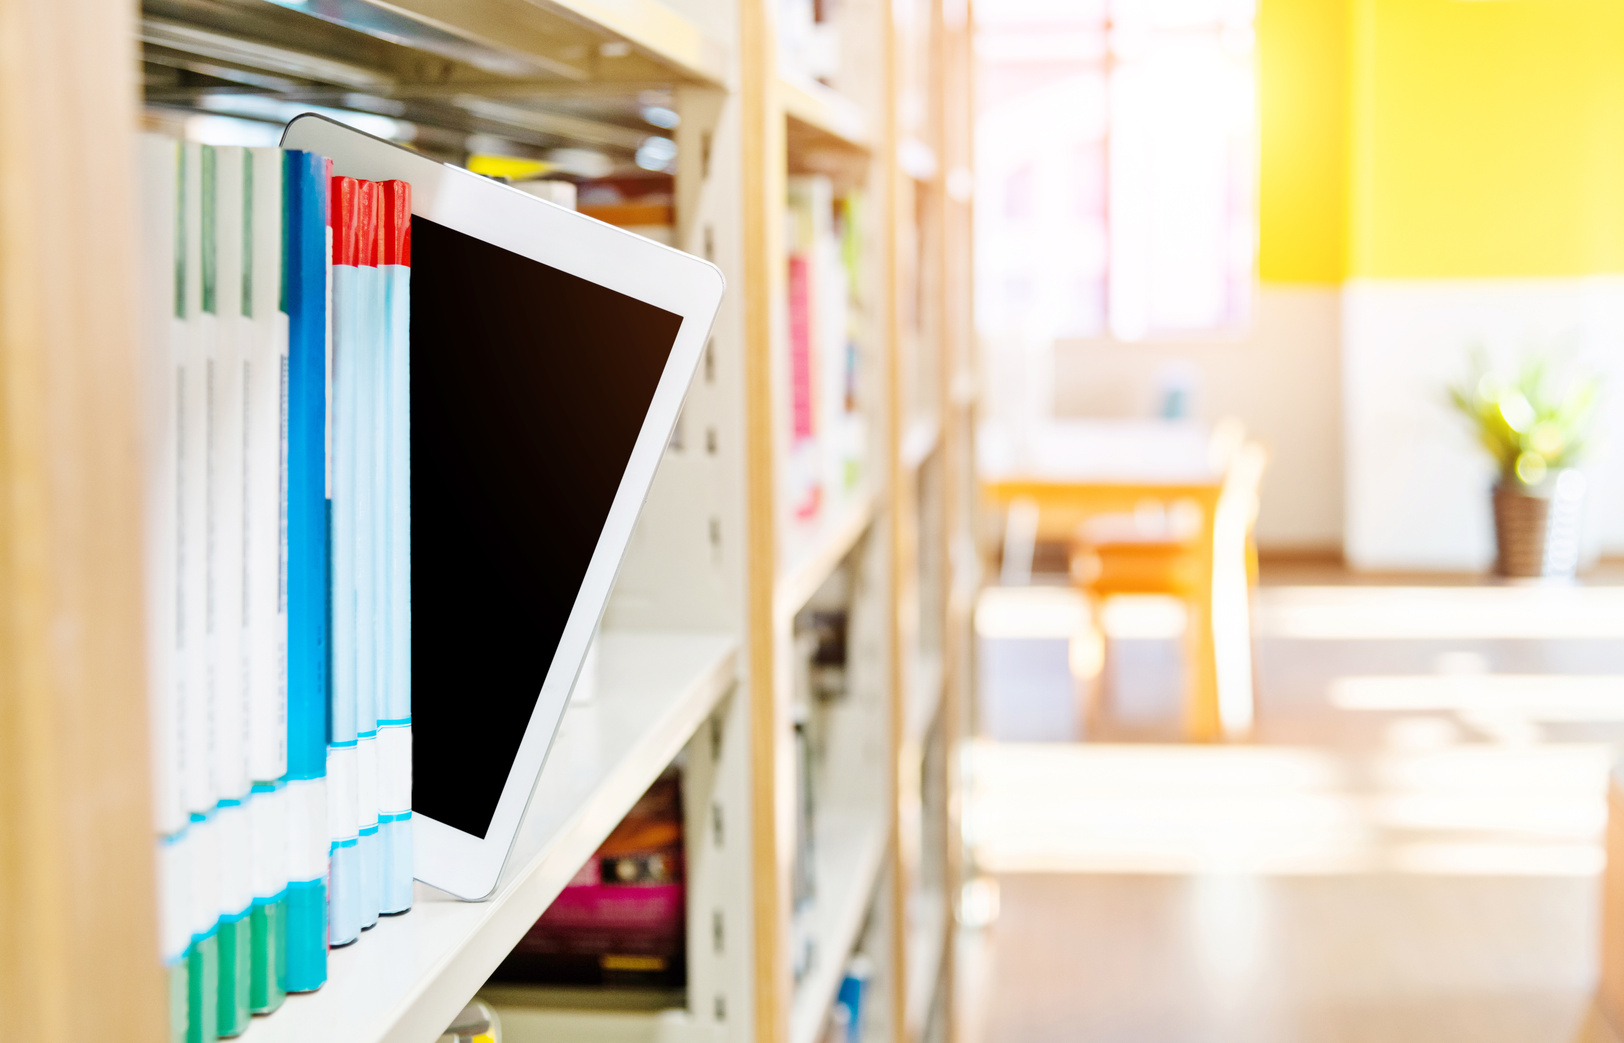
550 354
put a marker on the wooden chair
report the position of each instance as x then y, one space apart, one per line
1207 560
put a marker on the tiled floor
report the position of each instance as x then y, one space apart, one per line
1408 850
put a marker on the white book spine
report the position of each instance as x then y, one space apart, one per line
192 499
226 506
159 186
161 327
223 270
265 429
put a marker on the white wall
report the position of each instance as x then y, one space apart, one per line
1282 380
1417 486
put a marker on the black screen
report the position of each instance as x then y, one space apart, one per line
529 388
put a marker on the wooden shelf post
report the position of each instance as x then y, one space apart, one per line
78 928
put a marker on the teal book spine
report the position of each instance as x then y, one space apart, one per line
304 281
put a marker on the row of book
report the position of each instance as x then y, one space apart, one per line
276 311
827 435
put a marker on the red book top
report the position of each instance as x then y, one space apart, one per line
366 198
344 215
396 223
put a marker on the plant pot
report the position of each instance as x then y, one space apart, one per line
1536 529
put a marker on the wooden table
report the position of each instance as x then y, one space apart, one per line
1075 469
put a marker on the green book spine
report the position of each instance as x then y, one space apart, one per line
203 990
267 983
235 955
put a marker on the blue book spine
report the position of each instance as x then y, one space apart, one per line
370 548
304 273
343 754
395 704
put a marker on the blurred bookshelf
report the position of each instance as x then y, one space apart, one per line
777 622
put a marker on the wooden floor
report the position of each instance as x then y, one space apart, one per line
1408 852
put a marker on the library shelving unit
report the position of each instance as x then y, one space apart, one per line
818 826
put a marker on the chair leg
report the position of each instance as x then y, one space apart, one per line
1201 719
1020 543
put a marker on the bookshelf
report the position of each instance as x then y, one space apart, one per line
703 653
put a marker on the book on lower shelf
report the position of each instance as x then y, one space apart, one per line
622 920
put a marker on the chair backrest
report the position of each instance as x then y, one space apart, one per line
1227 436
1231 599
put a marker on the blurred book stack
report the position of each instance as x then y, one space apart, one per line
622 920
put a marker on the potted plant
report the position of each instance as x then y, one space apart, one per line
1536 427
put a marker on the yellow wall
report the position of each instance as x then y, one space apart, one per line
1440 138
1302 101
1486 138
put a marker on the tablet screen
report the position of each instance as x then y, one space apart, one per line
529 389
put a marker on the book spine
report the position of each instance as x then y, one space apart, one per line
222 299
304 274
202 846
395 705
163 338
368 473
264 573
343 809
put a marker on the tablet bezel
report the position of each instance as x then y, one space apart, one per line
445 857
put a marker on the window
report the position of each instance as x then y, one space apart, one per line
1118 140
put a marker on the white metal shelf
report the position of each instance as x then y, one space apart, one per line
825 110
850 849
820 555
409 976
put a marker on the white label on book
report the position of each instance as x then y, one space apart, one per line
232 829
268 827
367 781
344 800
395 769
307 829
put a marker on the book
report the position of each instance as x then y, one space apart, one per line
348 326
222 254
622 920
827 440
367 444
395 704
163 319
265 374
304 300
193 595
